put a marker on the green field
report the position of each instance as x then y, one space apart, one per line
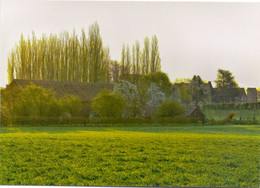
131 156
245 114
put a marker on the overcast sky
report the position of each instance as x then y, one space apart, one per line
194 38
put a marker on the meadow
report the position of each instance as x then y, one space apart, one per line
215 156
245 114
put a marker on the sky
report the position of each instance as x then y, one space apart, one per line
195 38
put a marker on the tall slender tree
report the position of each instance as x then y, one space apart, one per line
128 61
133 60
95 51
146 55
67 57
84 56
155 64
137 57
123 60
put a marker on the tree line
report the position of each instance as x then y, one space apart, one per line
198 91
35 101
67 57
139 61
125 99
63 57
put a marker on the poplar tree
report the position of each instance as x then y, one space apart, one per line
155 64
128 61
84 57
10 66
123 60
133 60
137 57
146 55
141 62
67 57
95 51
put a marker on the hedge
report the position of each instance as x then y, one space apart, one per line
82 121
228 106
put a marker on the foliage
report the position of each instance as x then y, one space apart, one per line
182 80
108 104
155 61
170 109
212 156
9 100
36 100
63 57
54 121
129 92
98 56
198 90
114 70
226 84
160 79
70 104
195 90
55 108
156 95
228 118
231 115
141 62
225 79
185 96
4 121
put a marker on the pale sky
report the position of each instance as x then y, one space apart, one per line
194 38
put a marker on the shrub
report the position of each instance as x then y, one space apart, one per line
71 104
4 121
130 93
170 109
229 118
161 79
156 95
231 115
35 101
10 100
108 104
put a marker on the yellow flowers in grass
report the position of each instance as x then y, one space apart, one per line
124 158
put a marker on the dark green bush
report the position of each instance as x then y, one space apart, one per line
4 121
170 109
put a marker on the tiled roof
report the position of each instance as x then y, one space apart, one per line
86 91
240 92
251 89
188 111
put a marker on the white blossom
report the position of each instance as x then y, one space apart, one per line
130 93
156 95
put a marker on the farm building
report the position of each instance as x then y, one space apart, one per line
84 90
215 95
194 112
251 95
186 86
229 95
190 112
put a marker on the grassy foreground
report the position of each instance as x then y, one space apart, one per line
131 156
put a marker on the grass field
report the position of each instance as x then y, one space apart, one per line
131 156
245 114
